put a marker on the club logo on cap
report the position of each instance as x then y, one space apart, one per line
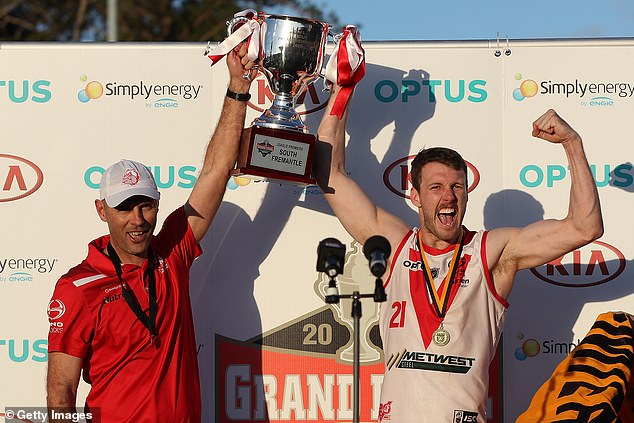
130 177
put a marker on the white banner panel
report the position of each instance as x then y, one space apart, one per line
268 344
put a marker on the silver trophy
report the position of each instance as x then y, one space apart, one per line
293 51
280 146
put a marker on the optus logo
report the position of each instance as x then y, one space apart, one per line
527 88
91 91
165 176
21 350
594 264
397 176
453 91
549 175
19 177
310 101
25 90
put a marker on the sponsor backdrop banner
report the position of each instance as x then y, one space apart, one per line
269 348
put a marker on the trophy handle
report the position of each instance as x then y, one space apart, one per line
233 25
236 23
334 38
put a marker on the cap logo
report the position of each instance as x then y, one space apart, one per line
130 177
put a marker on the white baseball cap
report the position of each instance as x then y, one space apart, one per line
125 179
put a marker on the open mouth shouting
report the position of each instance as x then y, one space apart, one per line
447 216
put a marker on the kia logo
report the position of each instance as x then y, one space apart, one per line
262 97
18 178
398 179
594 264
56 309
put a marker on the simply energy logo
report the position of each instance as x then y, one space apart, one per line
434 90
528 88
155 95
18 92
531 347
17 270
589 93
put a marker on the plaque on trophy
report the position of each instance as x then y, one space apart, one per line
278 146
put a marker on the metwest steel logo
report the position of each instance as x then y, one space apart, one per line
397 176
19 177
594 264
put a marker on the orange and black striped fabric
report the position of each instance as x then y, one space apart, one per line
594 384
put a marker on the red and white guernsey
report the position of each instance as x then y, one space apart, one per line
425 382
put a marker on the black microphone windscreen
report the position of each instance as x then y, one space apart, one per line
376 242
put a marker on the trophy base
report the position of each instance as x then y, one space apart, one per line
276 155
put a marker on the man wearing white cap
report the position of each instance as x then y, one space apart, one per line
123 316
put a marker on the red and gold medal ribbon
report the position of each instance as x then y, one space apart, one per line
441 301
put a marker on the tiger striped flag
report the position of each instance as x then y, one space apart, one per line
594 383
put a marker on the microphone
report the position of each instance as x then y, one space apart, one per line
330 257
377 250
331 254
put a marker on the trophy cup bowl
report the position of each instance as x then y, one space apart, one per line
279 146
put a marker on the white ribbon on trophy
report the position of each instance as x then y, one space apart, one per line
251 29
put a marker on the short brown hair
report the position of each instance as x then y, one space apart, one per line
443 155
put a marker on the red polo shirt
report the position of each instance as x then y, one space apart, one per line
132 380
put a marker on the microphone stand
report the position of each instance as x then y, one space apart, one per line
379 296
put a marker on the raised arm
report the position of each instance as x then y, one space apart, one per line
513 249
62 379
358 214
222 151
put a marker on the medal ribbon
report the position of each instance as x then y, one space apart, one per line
148 321
441 302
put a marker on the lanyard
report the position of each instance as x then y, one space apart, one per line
441 303
148 321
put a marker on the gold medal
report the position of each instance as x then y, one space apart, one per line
441 336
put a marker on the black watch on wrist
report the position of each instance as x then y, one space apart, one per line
238 96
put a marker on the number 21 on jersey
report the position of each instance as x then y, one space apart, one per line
398 314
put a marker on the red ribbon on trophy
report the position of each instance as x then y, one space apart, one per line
346 66
249 29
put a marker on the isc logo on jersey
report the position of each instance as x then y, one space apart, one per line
462 416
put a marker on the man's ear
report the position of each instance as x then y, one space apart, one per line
100 209
414 197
